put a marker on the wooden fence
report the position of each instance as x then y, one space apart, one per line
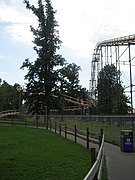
95 173
87 136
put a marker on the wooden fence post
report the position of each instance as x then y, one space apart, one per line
75 134
100 137
65 131
37 121
59 129
93 159
55 127
46 117
25 122
50 125
12 122
101 131
87 138
93 155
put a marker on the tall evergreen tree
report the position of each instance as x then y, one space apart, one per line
42 73
111 97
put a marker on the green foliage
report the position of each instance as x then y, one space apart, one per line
8 96
68 81
49 74
41 73
111 97
68 84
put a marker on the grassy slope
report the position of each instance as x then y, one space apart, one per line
39 154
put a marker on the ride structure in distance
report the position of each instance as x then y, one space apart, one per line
120 52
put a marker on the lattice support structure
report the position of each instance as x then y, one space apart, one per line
120 52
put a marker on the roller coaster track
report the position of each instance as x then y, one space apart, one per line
111 52
9 112
125 40
76 101
79 102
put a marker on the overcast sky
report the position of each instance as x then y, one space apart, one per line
82 23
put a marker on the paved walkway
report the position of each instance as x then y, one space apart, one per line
121 165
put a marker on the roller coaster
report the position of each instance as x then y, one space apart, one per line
77 103
118 51
8 113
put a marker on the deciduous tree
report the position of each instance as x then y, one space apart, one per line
111 96
8 96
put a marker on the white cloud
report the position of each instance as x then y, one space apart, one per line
20 32
3 73
2 56
82 23
17 21
13 14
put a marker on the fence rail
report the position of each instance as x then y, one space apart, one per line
76 133
65 130
96 170
112 125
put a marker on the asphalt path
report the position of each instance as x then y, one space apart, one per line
120 165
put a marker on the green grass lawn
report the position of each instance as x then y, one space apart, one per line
38 154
